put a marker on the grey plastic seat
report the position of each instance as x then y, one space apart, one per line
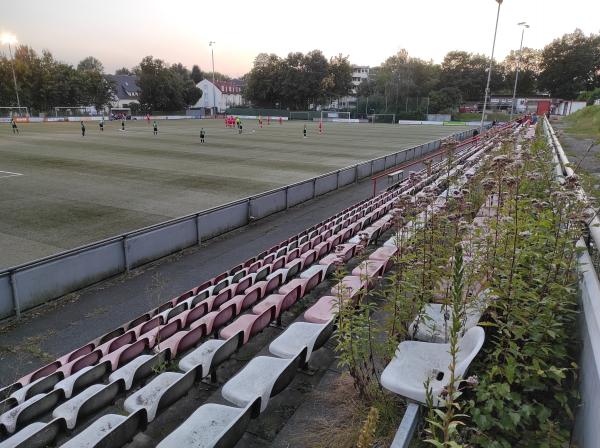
82 378
415 362
86 402
138 368
35 435
263 377
206 358
301 336
27 411
41 385
108 431
212 426
159 393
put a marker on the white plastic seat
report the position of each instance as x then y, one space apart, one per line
299 336
432 326
96 432
69 409
209 426
258 380
415 362
128 371
148 397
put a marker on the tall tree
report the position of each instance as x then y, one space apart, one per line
123 71
529 70
197 74
90 64
571 64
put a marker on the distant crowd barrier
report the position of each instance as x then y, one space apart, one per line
28 285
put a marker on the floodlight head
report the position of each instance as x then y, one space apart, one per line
8 38
210 44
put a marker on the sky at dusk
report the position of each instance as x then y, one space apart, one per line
120 34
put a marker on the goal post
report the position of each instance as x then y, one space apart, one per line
13 111
76 111
300 115
330 115
383 118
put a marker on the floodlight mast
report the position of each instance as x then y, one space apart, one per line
212 53
512 106
12 39
487 87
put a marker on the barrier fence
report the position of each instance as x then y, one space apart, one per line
28 285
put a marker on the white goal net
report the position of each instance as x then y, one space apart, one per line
382 118
11 111
329 115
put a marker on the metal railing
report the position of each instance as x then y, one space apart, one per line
586 433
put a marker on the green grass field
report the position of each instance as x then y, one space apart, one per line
74 190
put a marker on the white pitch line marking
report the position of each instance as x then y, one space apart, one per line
9 174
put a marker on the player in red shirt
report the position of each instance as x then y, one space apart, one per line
280 120
260 121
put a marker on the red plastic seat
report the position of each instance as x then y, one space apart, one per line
281 302
193 314
216 319
308 258
372 269
162 332
182 341
323 310
117 342
250 324
350 286
243 284
125 353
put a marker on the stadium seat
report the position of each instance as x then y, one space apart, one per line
182 341
414 362
35 435
216 319
370 269
83 378
301 336
249 324
263 377
192 315
243 301
140 367
41 385
349 287
163 390
281 302
89 400
26 412
323 310
126 353
208 356
212 425
110 430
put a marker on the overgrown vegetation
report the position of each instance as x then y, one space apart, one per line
519 260
585 122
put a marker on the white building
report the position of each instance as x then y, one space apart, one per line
127 91
360 73
220 95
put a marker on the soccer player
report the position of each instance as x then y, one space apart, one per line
101 124
202 135
304 131
82 128
122 125
15 129
280 120
260 121
268 120
240 127
155 127
320 127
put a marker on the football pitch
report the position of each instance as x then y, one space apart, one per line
59 190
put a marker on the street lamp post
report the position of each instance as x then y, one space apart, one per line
212 53
10 39
512 107
487 87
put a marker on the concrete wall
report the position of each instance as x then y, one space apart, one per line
25 286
